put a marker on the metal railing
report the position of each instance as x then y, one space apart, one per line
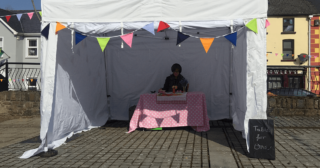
21 76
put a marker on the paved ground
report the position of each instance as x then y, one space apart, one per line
297 145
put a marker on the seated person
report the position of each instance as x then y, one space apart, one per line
175 79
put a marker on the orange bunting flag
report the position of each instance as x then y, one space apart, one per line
206 42
59 27
1 80
31 80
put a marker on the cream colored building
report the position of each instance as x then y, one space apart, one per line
280 41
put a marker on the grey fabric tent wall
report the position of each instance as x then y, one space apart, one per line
144 67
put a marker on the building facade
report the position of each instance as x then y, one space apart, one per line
288 44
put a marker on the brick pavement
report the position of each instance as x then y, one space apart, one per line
296 146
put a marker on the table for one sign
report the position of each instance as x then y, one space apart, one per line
262 139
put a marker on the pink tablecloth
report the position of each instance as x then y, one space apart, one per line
149 114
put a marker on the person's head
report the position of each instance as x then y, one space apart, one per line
176 69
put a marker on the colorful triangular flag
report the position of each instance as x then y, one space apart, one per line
9 80
79 37
8 18
128 39
1 80
1 52
206 42
281 54
14 80
232 38
252 25
30 15
103 42
159 121
181 37
40 13
19 16
149 27
162 26
45 31
59 27
267 23
176 117
276 54
22 80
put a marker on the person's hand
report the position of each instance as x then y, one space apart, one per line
161 91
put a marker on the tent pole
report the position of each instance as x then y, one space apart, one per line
231 71
50 152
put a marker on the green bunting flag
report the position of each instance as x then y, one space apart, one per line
40 14
252 25
103 42
1 52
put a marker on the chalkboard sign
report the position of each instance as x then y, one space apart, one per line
261 134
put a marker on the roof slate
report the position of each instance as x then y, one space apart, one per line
291 7
25 25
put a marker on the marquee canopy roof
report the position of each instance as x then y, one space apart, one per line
151 10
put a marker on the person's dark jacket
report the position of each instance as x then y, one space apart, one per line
172 81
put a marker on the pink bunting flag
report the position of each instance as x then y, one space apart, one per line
276 54
128 39
14 80
267 23
30 15
315 56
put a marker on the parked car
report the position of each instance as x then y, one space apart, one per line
292 92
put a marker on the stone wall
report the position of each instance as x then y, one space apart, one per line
293 106
20 104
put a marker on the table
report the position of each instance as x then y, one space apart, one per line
149 114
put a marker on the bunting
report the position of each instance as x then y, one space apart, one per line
79 37
8 18
276 54
162 26
149 27
267 23
19 16
59 27
232 38
103 42
40 13
30 15
1 52
181 37
252 25
128 39
45 31
1 80
206 42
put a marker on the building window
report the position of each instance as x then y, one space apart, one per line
1 43
295 82
32 48
288 24
275 82
288 49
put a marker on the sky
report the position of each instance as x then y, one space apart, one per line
20 4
